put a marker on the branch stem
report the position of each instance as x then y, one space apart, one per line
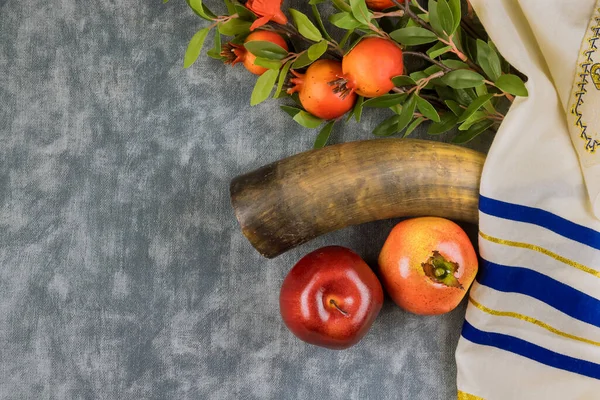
290 30
407 11
426 57
397 13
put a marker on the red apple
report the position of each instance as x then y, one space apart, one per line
330 298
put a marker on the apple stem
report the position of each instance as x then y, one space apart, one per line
333 303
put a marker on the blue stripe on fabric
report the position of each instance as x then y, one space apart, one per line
562 297
537 216
531 351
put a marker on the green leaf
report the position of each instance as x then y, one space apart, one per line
282 75
305 26
473 131
447 122
407 113
424 17
302 61
243 12
387 127
264 86
230 7
319 20
465 96
385 101
427 109
418 75
234 27
344 20
358 108
434 19
266 63
474 106
264 49
315 2
456 13
481 90
512 84
445 93
488 59
413 36
201 10
317 50
455 64
435 47
215 52
411 24
468 46
346 37
442 50
323 136
462 78
432 69
307 120
505 66
360 11
239 39
291 111
342 5
475 117
445 17
413 125
195 47
454 107
403 80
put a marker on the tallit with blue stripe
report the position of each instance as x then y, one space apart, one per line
532 328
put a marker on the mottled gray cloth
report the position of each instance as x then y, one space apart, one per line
123 272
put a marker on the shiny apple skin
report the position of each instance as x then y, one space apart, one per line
326 276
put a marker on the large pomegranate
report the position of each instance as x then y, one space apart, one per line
369 67
317 95
427 265
234 53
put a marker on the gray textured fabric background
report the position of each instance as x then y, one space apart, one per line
123 273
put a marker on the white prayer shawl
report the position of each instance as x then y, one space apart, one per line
532 328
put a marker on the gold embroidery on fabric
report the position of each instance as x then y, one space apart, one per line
467 396
531 320
587 69
542 250
596 75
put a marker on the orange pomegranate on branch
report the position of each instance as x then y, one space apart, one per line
369 67
234 53
315 92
